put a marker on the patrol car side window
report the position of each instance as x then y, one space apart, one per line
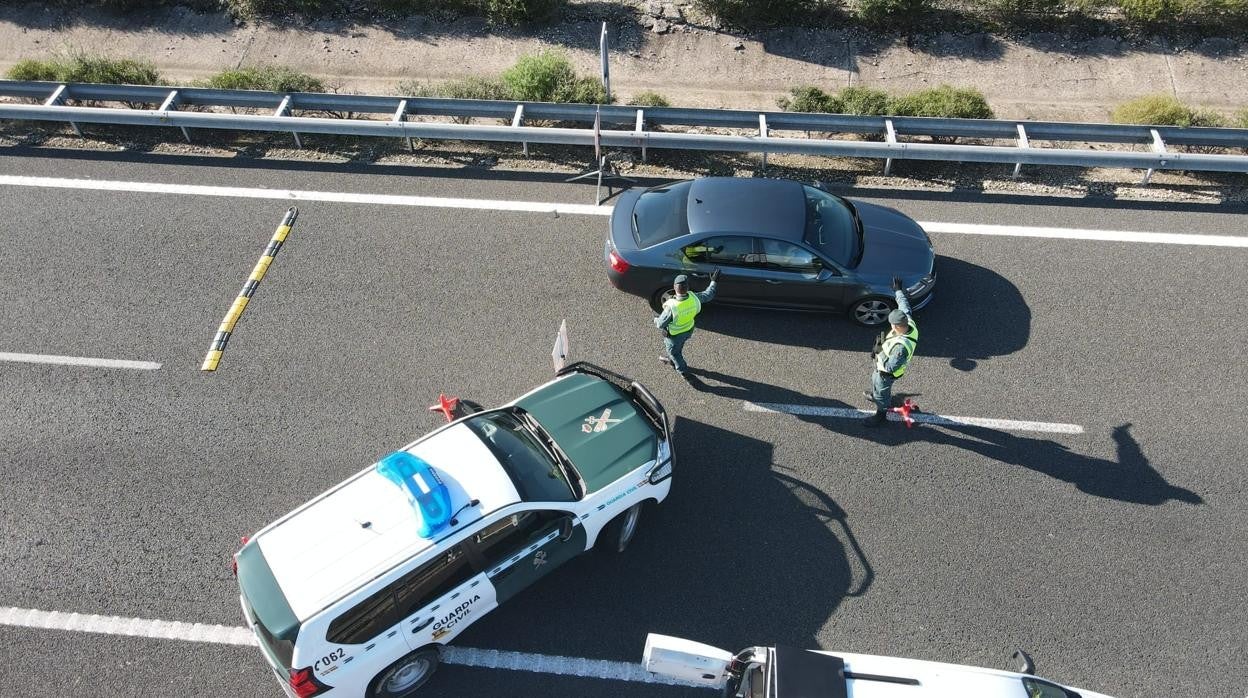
1043 689
501 538
431 580
364 621
727 250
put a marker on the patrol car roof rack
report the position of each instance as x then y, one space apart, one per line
643 398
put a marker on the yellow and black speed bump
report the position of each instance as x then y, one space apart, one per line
249 288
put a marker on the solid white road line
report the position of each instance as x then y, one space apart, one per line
585 209
232 635
923 417
299 195
79 361
1086 234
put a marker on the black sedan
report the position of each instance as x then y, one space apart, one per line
779 243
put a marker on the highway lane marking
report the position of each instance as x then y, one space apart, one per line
237 635
301 195
936 227
79 361
1086 234
923 417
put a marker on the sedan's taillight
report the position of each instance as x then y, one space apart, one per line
618 265
304 683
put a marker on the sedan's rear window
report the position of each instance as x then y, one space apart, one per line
661 214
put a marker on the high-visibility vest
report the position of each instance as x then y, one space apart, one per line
909 340
683 312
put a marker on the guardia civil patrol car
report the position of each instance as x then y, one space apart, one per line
356 590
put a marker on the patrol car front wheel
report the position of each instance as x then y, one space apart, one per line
871 311
405 676
619 533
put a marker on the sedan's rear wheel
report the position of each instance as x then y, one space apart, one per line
661 296
871 311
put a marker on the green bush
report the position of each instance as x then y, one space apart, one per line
944 101
255 9
1153 110
582 90
863 101
1241 119
1150 12
1022 12
753 14
649 99
517 12
33 69
271 78
810 99
85 68
1204 117
893 13
540 77
467 88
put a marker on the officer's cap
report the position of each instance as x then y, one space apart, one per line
681 280
898 318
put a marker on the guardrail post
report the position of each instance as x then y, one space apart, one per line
1024 143
890 136
515 123
1159 146
762 131
281 111
57 96
400 115
171 103
639 128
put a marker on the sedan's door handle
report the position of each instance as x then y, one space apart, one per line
772 281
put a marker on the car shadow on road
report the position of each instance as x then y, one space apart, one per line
977 314
1130 477
739 554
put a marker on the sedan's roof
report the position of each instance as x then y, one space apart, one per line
767 207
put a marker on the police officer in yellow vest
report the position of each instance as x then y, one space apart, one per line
891 356
676 321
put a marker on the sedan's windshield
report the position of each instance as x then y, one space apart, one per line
538 477
832 228
661 214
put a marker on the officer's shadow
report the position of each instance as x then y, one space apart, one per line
1128 478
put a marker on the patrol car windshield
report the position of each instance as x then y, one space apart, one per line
535 468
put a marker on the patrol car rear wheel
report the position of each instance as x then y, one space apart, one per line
405 676
619 533
871 311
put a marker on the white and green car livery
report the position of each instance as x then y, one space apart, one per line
344 595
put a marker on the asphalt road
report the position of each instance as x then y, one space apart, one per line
1115 556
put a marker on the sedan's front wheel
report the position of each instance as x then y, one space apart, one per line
661 296
871 311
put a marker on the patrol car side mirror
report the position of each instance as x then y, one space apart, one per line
1025 665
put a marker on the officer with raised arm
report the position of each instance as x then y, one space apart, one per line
676 320
891 356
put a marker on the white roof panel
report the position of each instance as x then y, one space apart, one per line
324 551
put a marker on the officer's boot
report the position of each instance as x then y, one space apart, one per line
876 419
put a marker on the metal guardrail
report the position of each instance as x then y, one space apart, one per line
286 115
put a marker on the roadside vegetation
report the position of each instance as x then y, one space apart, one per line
79 67
1165 110
270 78
546 76
944 101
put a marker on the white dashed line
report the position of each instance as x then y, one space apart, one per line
79 361
585 209
235 635
1086 234
921 417
300 195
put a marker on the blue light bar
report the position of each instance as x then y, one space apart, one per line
424 489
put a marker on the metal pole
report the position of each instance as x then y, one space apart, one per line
606 69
